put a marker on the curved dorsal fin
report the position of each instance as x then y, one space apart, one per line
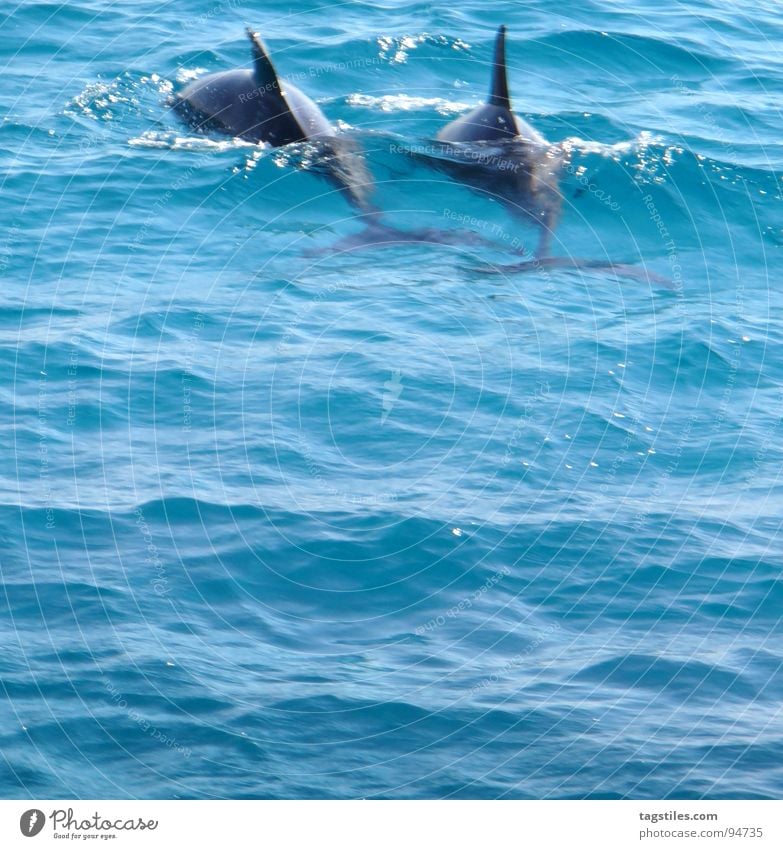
283 125
498 92
263 69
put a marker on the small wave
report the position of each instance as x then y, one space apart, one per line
395 49
630 52
121 96
186 75
407 103
168 140
615 151
691 678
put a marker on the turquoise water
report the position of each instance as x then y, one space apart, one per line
280 521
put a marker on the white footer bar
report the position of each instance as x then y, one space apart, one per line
393 824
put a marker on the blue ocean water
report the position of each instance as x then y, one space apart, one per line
279 521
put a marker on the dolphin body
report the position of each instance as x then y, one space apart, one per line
256 105
495 151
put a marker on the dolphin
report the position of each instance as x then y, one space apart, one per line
256 105
253 104
497 152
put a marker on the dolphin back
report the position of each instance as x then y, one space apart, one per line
493 121
253 104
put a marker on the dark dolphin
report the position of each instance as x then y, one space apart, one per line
256 105
493 150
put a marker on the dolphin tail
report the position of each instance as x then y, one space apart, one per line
498 92
377 233
542 264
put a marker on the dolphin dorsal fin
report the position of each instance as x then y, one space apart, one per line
263 69
286 126
498 93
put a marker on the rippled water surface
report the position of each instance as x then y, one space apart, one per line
279 520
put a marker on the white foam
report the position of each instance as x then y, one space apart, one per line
186 75
172 141
407 103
